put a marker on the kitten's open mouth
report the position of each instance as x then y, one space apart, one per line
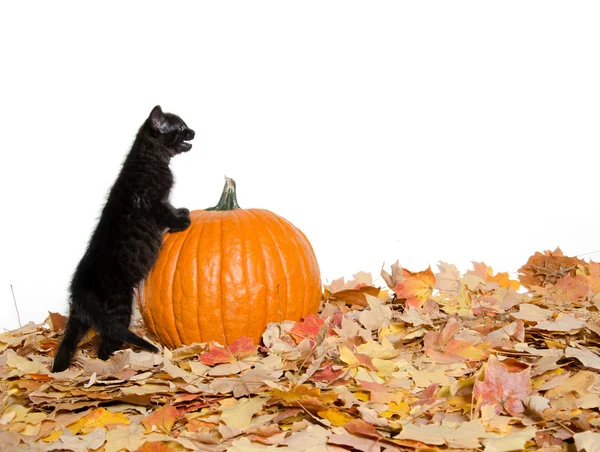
185 146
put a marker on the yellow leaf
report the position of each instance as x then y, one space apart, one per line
461 304
475 353
52 436
124 438
368 375
347 356
97 418
31 429
295 393
14 413
462 403
385 368
24 365
240 415
401 409
394 328
362 396
336 417
554 344
374 349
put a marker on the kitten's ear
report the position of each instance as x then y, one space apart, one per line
158 121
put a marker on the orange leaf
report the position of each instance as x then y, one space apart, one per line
503 280
163 419
218 354
487 273
594 269
415 287
155 446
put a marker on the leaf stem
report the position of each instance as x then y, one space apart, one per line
16 307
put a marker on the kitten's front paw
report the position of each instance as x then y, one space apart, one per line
183 212
181 224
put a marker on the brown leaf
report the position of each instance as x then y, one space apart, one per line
360 427
547 268
355 297
58 322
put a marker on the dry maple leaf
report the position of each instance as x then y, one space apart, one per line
100 417
162 419
328 373
487 274
501 388
352 292
57 321
308 328
361 279
155 446
337 417
546 268
392 279
448 278
415 287
216 354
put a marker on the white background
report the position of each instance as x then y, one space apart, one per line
419 131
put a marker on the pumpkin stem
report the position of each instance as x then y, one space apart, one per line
228 199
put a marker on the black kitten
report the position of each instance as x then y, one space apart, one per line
126 241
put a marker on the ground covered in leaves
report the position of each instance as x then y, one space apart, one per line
435 361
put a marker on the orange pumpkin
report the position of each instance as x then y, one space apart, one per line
228 275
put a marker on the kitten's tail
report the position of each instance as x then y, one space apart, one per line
119 333
115 331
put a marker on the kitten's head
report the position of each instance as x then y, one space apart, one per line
170 130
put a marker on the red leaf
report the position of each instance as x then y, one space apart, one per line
372 386
365 361
242 347
327 374
307 328
501 388
218 354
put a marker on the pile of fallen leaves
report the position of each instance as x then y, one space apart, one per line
439 361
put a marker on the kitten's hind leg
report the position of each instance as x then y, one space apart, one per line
108 347
75 331
120 314
116 333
